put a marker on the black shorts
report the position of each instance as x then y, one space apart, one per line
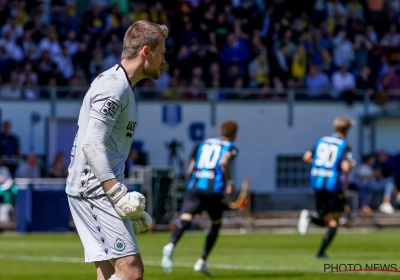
329 202
196 201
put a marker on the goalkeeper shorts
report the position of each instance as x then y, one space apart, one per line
103 233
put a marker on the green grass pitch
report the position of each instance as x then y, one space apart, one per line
252 256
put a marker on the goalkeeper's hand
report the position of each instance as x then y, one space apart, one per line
126 203
141 222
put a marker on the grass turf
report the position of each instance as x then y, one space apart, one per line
252 256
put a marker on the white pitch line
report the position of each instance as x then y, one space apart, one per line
184 265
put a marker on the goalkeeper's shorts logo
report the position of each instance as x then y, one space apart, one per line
119 245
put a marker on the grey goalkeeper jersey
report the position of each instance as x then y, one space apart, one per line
106 124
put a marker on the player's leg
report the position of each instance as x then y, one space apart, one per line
191 205
215 209
104 270
328 237
106 237
184 223
331 217
306 217
128 267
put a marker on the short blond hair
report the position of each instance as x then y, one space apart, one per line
342 124
139 34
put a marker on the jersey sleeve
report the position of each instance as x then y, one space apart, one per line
347 153
234 151
106 106
108 103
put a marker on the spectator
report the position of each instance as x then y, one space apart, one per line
164 79
365 81
138 11
371 34
189 35
362 46
196 89
12 50
29 90
392 38
221 30
8 193
356 7
343 82
158 14
64 63
390 80
71 43
206 23
113 58
29 168
235 52
317 83
28 46
9 148
287 40
59 168
299 64
50 42
182 61
213 73
27 74
280 65
11 91
14 28
376 11
373 181
336 9
216 93
259 71
96 65
343 51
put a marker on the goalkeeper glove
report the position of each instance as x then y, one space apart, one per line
126 203
141 222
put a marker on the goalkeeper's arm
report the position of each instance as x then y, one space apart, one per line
126 204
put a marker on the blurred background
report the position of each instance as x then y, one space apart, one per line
282 69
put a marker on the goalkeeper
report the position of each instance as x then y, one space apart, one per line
106 215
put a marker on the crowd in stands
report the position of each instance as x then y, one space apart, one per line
377 179
328 48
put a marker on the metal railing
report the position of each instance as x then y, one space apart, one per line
212 96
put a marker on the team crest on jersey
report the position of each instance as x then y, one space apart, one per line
109 108
119 245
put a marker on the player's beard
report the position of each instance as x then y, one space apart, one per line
152 73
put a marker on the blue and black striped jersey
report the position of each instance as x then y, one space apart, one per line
207 174
328 153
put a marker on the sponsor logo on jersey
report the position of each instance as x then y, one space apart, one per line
131 126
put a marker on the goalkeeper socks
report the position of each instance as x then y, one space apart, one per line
113 277
180 227
318 221
327 239
210 241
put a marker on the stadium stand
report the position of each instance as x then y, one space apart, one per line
226 44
